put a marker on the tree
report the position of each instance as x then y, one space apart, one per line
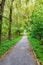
1 15
10 21
37 21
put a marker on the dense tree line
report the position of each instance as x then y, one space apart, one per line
12 18
16 15
6 9
37 20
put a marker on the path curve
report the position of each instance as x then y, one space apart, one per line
20 54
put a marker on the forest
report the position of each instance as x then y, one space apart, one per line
17 16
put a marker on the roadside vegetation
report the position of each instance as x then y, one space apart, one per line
7 45
35 32
37 47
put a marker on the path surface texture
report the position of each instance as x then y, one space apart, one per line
20 54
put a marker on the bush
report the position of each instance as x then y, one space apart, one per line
41 41
37 20
37 30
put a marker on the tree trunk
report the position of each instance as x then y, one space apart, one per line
1 15
10 24
10 21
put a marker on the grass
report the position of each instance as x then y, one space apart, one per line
37 47
5 46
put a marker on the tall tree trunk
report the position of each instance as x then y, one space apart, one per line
1 15
10 21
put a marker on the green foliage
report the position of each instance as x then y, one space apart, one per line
38 49
26 14
37 20
42 42
5 46
20 17
37 30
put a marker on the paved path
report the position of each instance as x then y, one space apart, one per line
20 54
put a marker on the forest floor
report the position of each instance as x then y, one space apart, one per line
21 54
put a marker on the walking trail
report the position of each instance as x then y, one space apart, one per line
20 54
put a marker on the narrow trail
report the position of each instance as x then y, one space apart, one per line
20 54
